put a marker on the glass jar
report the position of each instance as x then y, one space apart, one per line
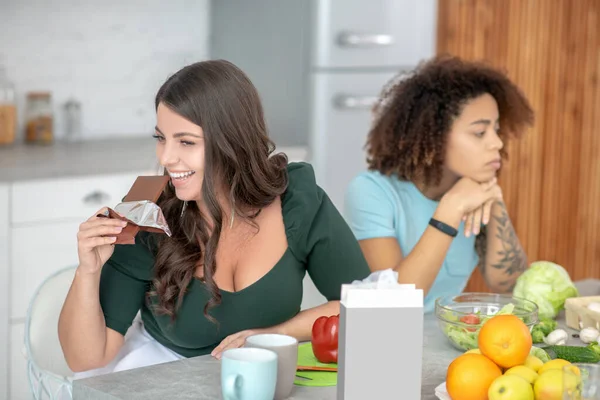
8 110
72 110
39 120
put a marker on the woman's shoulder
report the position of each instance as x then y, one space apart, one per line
370 179
373 185
375 180
303 203
303 196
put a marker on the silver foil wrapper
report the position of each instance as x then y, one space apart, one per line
144 213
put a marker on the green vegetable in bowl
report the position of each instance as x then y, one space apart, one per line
507 309
548 285
465 334
461 337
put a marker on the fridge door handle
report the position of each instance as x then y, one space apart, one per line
351 102
353 39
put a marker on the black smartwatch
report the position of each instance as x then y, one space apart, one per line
442 227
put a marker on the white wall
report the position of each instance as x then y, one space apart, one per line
111 55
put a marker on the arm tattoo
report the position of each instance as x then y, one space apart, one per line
480 248
512 258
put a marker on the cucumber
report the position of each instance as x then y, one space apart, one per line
574 354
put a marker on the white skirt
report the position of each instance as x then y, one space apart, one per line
139 350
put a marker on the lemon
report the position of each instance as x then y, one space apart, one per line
574 369
553 364
526 373
510 387
534 363
549 385
475 351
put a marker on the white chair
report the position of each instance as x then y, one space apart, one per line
49 375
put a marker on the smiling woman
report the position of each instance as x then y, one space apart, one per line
246 228
431 193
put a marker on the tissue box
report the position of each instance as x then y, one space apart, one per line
380 343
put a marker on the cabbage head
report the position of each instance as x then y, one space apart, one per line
548 285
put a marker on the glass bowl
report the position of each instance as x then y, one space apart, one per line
460 317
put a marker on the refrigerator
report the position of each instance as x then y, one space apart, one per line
319 66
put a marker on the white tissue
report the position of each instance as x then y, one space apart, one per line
388 278
441 392
381 289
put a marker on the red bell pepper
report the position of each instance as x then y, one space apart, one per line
324 338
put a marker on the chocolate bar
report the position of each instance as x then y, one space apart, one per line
139 209
147 188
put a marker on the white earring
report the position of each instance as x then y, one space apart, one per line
183 208
232 213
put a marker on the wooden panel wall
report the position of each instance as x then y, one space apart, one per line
551 183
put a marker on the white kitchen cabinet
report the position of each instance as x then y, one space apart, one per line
40 212
319 65
66 197
19 384
42 229
44 234
4 278
54 248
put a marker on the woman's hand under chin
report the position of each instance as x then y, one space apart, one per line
479 217
473 201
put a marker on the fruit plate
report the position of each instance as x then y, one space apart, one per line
441 392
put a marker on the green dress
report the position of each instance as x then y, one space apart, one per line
319 242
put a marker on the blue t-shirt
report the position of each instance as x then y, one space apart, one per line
384 206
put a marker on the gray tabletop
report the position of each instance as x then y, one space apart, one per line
199 377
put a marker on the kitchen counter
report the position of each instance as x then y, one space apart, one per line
200 377
21 162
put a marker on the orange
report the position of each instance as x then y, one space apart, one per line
470 376
505 340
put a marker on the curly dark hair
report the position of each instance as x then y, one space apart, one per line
415 112
220 98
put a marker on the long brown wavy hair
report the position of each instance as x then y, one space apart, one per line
219 97
415 112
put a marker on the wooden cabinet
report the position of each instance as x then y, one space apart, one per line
551 183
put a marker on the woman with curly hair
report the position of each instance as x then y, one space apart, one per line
246 227
430 194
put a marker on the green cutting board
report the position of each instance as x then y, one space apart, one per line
306 358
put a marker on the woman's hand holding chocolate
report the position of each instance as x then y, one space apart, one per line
95 241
